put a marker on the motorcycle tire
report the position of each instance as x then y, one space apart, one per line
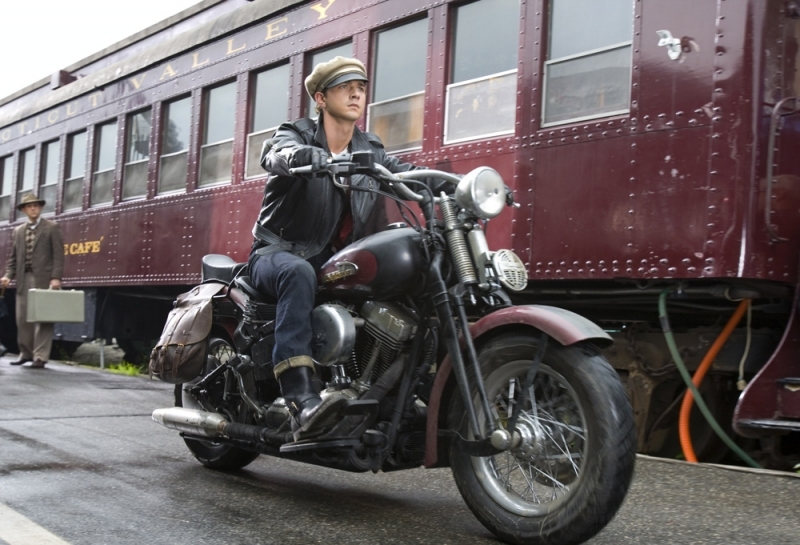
213 454
569 475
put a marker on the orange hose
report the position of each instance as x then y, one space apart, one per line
705 365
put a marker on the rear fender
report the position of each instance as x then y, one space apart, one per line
562 325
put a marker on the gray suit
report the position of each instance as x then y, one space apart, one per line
47 263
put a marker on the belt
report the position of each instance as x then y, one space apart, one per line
273 242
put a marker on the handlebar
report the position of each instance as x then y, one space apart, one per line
360 162
353 164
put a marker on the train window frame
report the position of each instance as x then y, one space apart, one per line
6 183
253 136
135 166
22 172
48 189
485 82
70 163
103 195
185 151
548 65
415 99
217 144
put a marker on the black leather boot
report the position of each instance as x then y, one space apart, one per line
299 392
311 415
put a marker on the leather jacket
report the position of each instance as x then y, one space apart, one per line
302 215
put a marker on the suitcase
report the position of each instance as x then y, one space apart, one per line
55 306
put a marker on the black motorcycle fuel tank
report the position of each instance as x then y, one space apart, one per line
380 266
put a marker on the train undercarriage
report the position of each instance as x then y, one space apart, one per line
698 312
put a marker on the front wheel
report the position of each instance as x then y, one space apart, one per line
571 470
208 452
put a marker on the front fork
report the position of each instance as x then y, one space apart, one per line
495 439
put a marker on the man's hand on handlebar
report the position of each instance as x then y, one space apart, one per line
309 156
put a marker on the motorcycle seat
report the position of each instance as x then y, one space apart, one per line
220 267
245 284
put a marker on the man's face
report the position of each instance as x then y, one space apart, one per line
345 101
32 210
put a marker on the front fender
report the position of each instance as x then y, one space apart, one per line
564 326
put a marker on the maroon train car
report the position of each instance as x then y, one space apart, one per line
651 144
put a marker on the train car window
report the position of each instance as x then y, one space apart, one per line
588 69
398 87
5 188
270 106
216 153
137 155
481 96
323 55
26 183
49 175
103 176
76 169
173 164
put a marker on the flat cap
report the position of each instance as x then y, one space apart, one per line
335 71
30 198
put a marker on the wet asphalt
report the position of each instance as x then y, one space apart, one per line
81 458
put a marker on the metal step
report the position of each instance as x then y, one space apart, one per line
789 425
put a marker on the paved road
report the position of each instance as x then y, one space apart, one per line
81 463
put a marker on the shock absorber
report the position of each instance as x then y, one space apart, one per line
457 243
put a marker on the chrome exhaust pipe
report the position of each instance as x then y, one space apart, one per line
191 421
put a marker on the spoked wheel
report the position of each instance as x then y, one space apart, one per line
212 454
569 472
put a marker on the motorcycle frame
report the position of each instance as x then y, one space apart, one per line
565 327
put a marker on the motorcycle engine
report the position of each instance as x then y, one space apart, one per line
387 326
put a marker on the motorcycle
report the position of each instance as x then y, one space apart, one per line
415 328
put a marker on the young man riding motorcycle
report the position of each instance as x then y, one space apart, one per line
303 221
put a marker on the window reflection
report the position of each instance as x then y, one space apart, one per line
588 67
173 163
481 98
216 155
399 86
5 188
49 175
103 176
76 169
137 155
270 107
25 180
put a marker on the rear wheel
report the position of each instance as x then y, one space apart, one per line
570 472
213 454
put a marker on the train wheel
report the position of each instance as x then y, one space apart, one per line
571 471
209 453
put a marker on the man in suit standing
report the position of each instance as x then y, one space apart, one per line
37 261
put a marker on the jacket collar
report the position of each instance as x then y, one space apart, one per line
358 142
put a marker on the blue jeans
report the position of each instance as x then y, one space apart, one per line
293 282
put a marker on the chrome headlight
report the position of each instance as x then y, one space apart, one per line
510 270
482 192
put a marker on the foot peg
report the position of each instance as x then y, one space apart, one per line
338 416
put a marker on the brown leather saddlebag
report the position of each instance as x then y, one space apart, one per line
180 354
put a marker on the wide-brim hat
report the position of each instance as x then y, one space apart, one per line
333 72
30 198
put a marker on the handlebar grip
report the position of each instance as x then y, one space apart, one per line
308 169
